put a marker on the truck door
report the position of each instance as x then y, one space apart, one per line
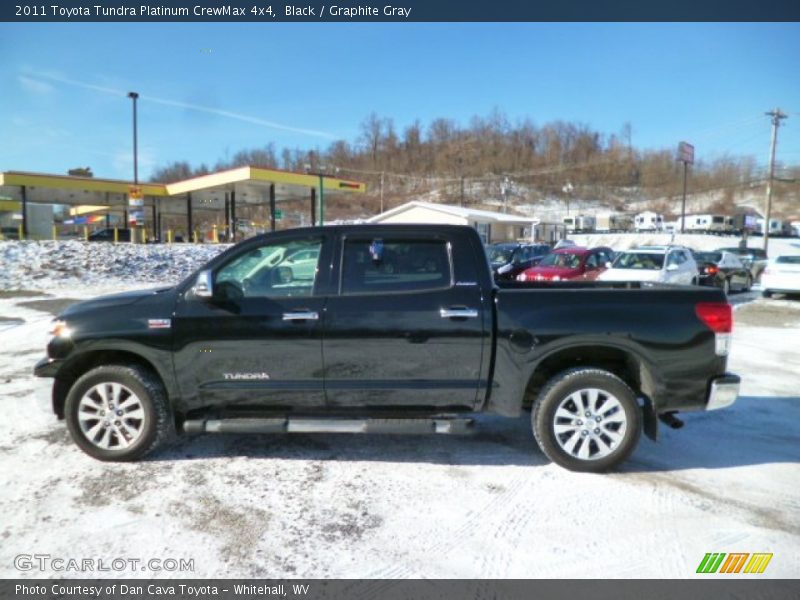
258 341
406 328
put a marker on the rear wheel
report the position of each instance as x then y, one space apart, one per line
726 286
587 420
118 412
766 294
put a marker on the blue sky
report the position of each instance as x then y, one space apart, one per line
211 89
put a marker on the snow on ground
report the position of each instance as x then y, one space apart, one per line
339 505
48 264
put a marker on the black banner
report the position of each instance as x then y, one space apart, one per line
437 589
267 11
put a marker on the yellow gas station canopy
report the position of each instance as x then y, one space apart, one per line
251 185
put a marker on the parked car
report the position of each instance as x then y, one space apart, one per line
664 264
754 259
781 276
303 263
107 235
402 330
509 260
724 270
572 262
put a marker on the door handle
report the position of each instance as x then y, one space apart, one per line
458 313
301 315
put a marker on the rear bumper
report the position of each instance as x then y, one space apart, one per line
723 391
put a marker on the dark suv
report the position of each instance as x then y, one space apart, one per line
510 259
754 259
107 235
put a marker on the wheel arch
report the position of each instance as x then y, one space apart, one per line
625 363
77 366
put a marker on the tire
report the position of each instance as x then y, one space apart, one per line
726 286
766 294
128 391
748 284
589 452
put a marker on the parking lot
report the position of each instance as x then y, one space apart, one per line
339 505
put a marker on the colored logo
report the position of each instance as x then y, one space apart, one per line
734 562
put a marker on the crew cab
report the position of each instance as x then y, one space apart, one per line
399 328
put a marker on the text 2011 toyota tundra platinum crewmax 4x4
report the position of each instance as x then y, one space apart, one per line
386 329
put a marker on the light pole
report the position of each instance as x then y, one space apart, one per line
134 96
567 189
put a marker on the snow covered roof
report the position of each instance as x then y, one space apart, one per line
459 211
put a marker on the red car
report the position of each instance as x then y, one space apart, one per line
571 262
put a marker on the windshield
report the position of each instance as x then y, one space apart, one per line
639 260
500 254
565 260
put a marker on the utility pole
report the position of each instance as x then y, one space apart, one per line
777 117
382 174
686 156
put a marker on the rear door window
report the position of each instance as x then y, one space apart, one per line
403 266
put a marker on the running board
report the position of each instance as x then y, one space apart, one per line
448 425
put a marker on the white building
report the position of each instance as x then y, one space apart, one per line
493 227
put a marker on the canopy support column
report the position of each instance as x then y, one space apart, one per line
227 217
24 212
272 207
233 216
189 224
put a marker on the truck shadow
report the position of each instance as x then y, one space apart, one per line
495 441
757 430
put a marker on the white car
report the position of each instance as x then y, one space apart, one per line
662 264
781 276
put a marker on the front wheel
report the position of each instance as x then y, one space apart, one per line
118 412
587 420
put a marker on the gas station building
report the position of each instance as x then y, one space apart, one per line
222 198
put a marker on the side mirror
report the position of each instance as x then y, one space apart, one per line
203 286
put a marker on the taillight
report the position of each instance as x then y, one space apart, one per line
711 270
718 316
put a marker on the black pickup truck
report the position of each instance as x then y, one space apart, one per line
386 328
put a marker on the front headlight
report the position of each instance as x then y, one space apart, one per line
61 329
